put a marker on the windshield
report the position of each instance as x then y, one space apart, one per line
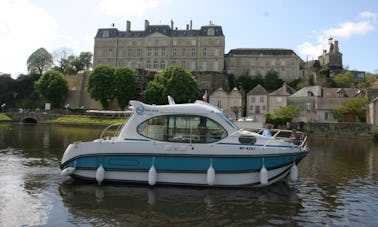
228 121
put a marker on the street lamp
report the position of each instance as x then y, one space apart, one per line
3 106
67 106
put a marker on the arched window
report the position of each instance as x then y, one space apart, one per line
182 129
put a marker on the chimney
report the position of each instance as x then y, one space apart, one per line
128 25
172 24
190 24
146 24
336 46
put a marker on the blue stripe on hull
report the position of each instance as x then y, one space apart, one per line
183 163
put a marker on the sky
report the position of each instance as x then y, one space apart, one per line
302 26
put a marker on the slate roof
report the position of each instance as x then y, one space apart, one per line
258 90
163 29
260 51
306 91
285 90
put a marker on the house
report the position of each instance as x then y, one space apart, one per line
372 117
305 99
230 104
332 99
278 98
257 101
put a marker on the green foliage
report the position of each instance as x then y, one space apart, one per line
369 79
246 82
101 85
282 115
272 81
343 79
324 72
173 81
357 106
124 86
289 111
70 64
297 84
231 81
53 87
39 61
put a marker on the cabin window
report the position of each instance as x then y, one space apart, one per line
182 129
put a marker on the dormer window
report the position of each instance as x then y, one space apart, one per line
210 32
310 93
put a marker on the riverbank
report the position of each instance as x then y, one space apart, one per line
75 120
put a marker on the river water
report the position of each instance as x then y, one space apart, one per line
338 185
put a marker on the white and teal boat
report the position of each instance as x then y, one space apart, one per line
183 144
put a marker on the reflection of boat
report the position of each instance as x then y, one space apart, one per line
125 205
183 144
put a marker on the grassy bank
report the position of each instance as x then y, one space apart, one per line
4 117
83 119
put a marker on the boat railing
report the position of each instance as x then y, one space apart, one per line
104 132
284 134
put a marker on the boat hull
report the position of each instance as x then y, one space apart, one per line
229 171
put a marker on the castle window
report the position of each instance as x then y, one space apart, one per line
193 52
204 52
162 65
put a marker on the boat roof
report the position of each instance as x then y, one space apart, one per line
199 107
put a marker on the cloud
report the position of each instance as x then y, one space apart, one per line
365 23
23 29
128 8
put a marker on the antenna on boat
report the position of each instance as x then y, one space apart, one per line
171 101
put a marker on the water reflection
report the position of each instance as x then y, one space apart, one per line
338 185
180 206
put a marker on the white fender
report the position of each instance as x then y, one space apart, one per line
294 172
67 171
152 176
263 175
100 174
210 176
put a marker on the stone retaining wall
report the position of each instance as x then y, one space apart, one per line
339 129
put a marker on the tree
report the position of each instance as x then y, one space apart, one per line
61 59
282 115
84 61
101 85
53 87
173 81
39 61
246 82
343 79
124 86
357 106
272 81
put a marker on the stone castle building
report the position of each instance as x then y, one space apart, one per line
160 46
332 59
259 61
